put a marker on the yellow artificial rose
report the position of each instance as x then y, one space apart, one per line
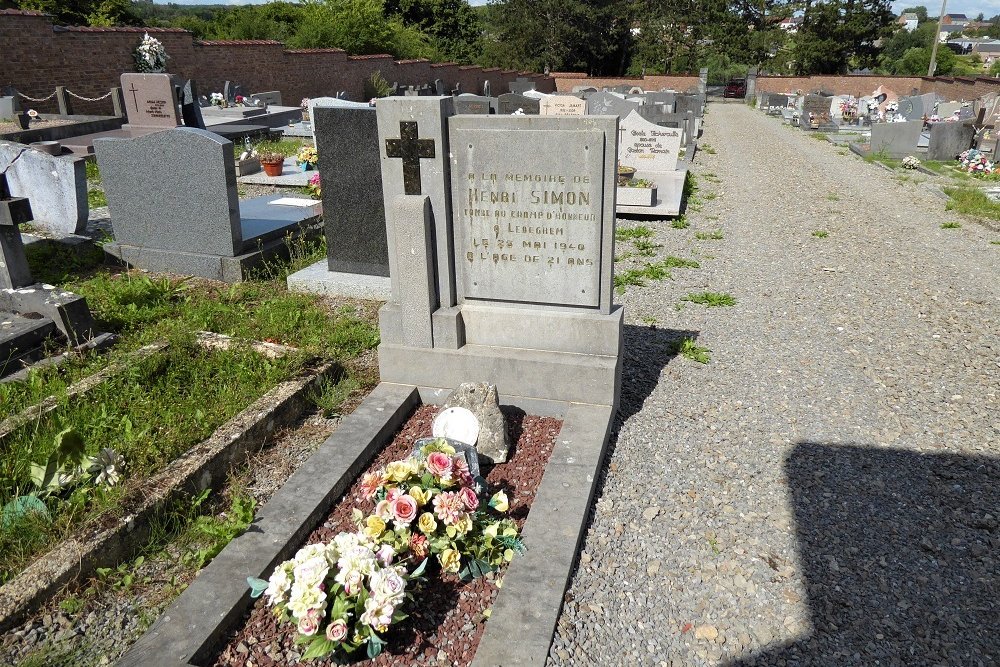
426 523
420 495
451 560
464 525
508 555
499 502
398 471
492 529
374 527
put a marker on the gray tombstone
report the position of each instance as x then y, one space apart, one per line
521 85
174 206
487 88
948 140
816 111
349 168
475 104
14 211
510 103
190 107
606 104
56 186
439 87
694 103
896 140
269 98
9 107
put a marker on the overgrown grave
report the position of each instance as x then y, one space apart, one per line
501 236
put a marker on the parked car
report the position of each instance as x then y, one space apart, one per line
735 88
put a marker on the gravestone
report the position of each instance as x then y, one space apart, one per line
510 103
562 105
654 152
487 88
439 87
815 113
896 140
521 85
664 99
269 98
607 104
151 100
948 140
332 102
230 91
9 107
946 109
56 186
191 106
174 206
475 104
776 103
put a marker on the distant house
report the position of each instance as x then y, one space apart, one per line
791 24
989 52
956 19
908 21
949 31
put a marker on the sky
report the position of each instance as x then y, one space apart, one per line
968 7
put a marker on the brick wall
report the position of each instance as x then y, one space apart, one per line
566 81
950 88
36 56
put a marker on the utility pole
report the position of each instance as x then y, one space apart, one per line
937 37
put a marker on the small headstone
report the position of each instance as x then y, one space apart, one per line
948 140
511 103
56 186
439 87
481 400
475 104
190 107
521 85
654 152
150 100
562 105
269 98
607 104
816 112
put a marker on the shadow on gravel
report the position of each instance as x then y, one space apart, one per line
901 558
646 351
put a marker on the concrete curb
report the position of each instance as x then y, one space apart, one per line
205 465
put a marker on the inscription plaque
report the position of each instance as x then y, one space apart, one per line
150 100
528 229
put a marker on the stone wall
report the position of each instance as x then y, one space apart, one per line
37 56
566 81
950 88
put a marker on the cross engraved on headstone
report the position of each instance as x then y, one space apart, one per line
411 150
14 272
135 99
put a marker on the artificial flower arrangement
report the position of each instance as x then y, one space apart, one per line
910 162
150 56
849 108
976 163
306 157
314 186
345 594
218 100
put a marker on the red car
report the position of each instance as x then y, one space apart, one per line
735 88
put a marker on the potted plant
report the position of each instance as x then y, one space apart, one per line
272 162
306 158
625 174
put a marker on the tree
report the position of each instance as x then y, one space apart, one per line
838 34
920 11
452 24
81 12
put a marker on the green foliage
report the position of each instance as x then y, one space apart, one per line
951 225
680 222
709 236
209 534
710 299
96 198
838 34
820 234
688 349
630 233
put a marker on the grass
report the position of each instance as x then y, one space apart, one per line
680 222
96 198
715 235
645 247
632 233
833 196
972 201
994 242
951 225
820 234
155 409
95 193
688 349
652 271
710 299
708 149
709 196
287 147
818 136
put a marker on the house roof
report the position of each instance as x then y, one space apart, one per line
956 16
987 48
952 28
909 16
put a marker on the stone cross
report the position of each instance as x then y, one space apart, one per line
411 150
14 272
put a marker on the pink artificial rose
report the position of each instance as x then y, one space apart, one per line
392 494
337 631
385 554
440 464
404 509
353 583
470 498
461 471
382 510
309 624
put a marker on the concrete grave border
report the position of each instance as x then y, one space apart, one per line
203 466
188 633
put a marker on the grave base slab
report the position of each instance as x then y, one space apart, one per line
319 279
527 607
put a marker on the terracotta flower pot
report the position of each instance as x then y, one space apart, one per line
272 168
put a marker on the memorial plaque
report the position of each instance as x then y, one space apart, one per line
150 100
529 212
563 105
646 146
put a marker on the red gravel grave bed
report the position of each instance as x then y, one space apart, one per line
446 621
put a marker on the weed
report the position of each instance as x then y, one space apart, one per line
623 256
96 198
951 225
333 393
93 172
833 196
708 149
122 578
821 234
672 262
680 222
688 349
632 233
710 299
209 534
71 605
994 242
709 196
819 136
287 147
646 248
709 236
648 320
843 152
714 544
972 201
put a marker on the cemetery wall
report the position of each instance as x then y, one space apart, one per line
37 56
950 88
566 81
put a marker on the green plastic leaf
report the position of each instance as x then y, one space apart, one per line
375 645
20 507
257 586
420 569
320 647
69 445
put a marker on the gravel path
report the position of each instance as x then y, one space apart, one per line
825 490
